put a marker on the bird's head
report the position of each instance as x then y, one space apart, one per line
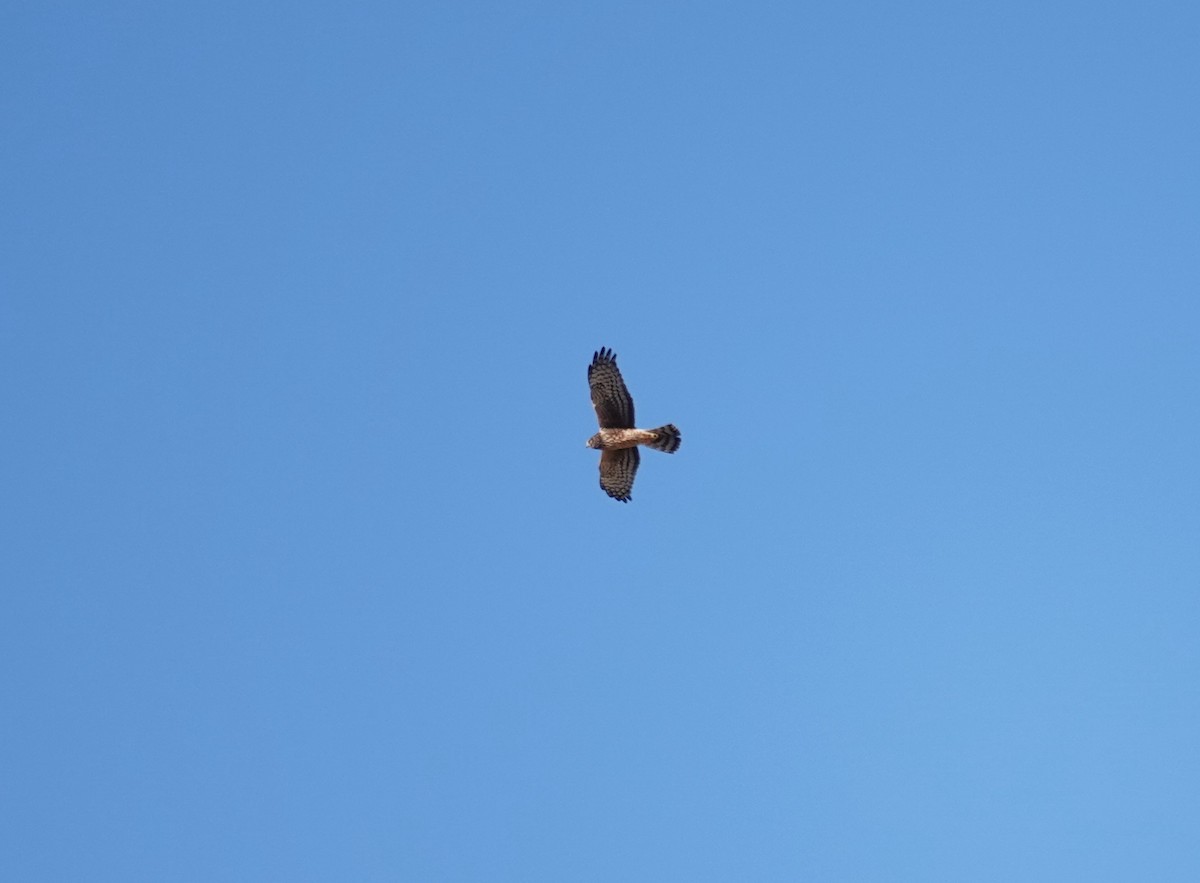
594 441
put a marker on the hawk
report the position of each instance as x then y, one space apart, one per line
617 439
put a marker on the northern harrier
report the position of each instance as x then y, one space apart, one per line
617 438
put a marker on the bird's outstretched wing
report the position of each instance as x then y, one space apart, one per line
614 405
617 470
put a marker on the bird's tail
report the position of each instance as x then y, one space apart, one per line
666 438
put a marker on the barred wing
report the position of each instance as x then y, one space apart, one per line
617 469
614 405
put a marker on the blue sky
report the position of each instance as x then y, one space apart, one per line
306 573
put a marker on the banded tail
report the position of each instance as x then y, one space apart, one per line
666 439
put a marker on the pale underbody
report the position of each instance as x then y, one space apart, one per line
614 439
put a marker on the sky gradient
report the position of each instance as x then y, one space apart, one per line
306 574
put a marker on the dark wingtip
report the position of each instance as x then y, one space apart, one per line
604 354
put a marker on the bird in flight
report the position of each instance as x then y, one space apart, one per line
617 439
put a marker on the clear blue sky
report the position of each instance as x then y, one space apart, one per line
306 574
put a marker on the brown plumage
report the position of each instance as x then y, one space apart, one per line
618 439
